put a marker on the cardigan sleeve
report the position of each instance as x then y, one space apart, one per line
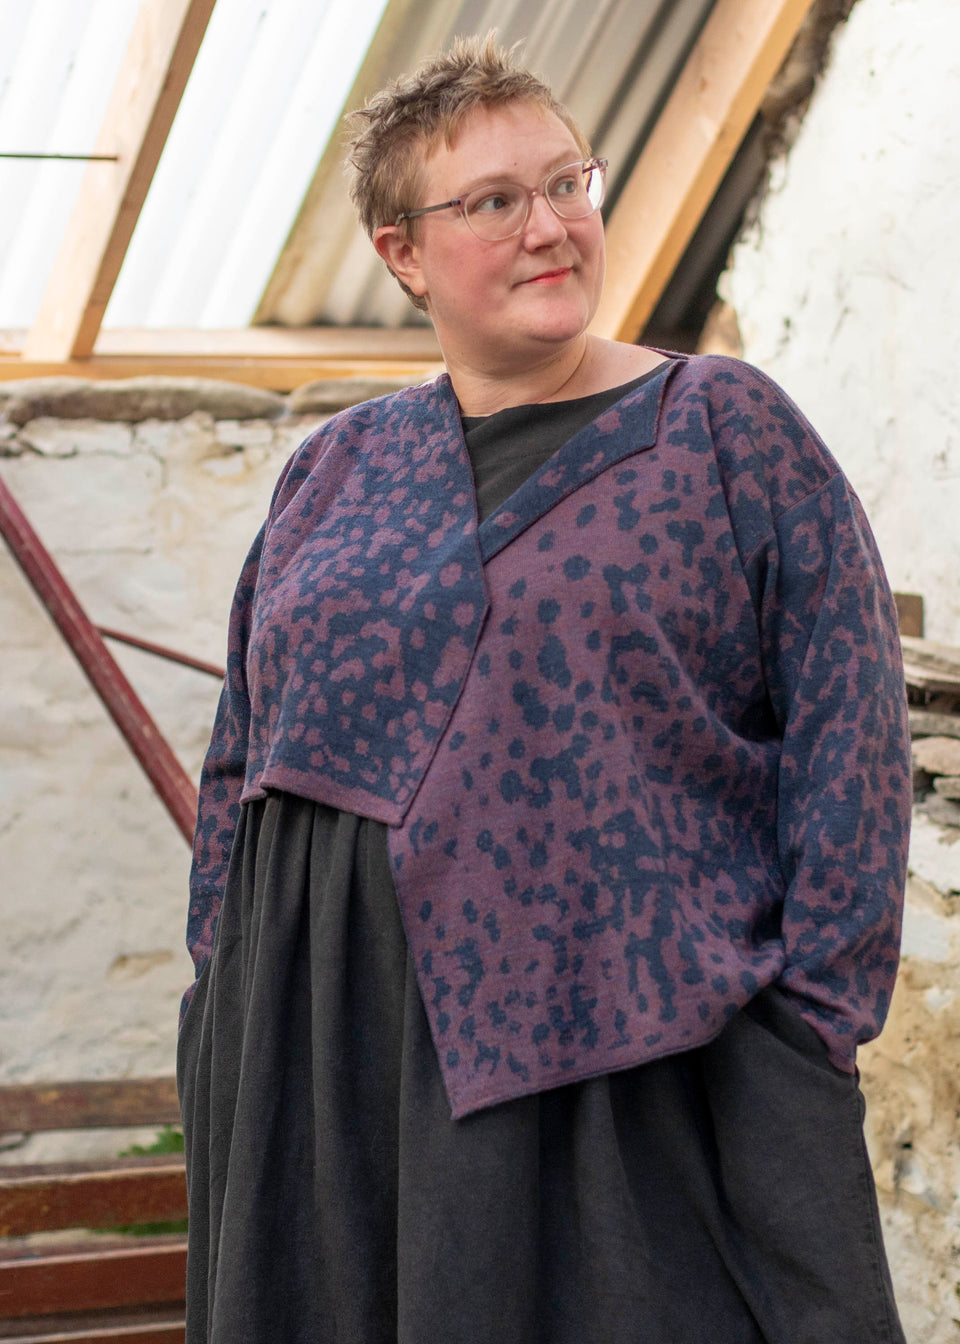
222 777
834 674
225 765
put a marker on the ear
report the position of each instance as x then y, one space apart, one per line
402 255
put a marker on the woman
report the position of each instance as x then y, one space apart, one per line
552 835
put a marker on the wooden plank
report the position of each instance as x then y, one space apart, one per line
929 723
271 357
696 136
153 75
148 1326
929 666
92 1195
146 1272
275 376
26 1108
394 344
909 613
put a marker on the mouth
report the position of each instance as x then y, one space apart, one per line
554 277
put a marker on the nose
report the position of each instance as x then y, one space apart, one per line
543 228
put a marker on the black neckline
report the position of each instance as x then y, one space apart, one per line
606 397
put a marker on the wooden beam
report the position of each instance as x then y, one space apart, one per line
93 1279
278 343
929 666
163 47
740 49
144 1325
910 613
274 375
28 1107
106 1194
278 358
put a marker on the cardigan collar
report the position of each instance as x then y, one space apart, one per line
381 531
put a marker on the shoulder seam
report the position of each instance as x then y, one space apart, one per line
837 475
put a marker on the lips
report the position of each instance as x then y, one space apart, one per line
553 277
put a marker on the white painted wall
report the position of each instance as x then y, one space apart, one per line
847 290
150 524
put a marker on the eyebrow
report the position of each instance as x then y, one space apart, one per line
485 179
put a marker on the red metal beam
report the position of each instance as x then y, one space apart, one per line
161 651
144 738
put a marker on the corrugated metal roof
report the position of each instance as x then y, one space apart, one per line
247 217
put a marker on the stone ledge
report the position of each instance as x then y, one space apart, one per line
135 399
327 395
935 854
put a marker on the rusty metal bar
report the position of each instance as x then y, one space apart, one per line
144 738
161 651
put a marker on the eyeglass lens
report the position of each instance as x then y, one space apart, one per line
500 210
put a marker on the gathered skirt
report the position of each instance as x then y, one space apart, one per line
718 1196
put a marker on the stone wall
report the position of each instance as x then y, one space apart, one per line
911 1080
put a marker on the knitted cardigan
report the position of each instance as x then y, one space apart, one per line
640 737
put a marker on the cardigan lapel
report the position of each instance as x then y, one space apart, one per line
628 427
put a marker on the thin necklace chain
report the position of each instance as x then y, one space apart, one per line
553 396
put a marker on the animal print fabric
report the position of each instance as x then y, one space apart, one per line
640 737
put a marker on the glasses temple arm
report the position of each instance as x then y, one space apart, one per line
426 210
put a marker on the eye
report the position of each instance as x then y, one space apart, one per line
492 200
566 186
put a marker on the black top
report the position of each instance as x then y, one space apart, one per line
510 445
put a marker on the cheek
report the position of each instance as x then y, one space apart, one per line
465 279
449 267
594 243
596 262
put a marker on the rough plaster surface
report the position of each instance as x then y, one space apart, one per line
847 290
149 522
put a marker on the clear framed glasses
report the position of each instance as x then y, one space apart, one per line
499 210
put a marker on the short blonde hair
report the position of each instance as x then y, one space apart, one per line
392 135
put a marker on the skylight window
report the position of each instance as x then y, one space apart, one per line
263 99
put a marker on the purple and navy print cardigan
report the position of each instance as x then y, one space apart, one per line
640 737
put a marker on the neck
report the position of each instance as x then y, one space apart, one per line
559 376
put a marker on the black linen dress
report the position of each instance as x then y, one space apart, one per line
719 1196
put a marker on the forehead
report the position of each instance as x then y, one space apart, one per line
520 139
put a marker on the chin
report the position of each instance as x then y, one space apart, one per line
559 332
560 321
